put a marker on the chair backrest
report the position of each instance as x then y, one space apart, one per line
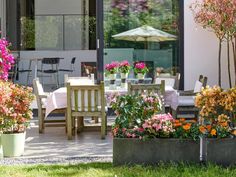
86 98
54 60
202 82
78 80
172 81
148 88
39 92
73 60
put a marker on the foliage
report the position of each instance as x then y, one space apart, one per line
6 59
124 67
112 68
14 107
217 111
123 15
27 33
140 67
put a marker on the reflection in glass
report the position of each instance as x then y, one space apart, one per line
48 32
122 16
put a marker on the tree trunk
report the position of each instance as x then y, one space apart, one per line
228 56
219 62
234 52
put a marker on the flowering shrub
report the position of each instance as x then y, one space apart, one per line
133 110
140 67
14 107
124 67
217 111
6 59
112 68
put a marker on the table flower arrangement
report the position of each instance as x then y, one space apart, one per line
111 70
124 68
140 69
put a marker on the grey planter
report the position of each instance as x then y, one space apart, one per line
221 151
135 151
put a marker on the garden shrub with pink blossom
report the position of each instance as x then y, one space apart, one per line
6 59
15 111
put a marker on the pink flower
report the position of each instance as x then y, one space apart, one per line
140 65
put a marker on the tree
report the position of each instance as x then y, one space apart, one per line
219 16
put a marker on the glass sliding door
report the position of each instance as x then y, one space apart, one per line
159 49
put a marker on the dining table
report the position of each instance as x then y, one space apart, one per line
58 98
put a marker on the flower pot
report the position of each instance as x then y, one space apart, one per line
123 75
13 144
152 151
112 76
140 76
221 151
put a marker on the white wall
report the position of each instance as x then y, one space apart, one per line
201 53
81 56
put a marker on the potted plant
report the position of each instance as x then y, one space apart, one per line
124 68
142 136
15 114
140 69
217 111
14 107
111 70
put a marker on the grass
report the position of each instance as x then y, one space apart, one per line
107 170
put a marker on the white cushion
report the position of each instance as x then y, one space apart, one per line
185 101
197 87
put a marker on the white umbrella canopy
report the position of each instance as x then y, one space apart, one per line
145 33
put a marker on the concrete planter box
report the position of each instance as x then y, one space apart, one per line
221 151
136 151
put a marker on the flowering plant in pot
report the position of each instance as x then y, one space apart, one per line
112 68
124 68
140 69
217 115
14 106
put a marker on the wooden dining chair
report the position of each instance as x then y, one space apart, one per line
85 100
41 97
186 99
148 88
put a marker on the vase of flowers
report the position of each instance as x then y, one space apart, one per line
124 69
15 114
140 70
111 70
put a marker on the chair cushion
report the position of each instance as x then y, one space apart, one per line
197 87
186 101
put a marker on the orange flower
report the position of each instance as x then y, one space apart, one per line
177 124
202 129
187 126
233 132
208 127
176 120
213 132
224 124
182 119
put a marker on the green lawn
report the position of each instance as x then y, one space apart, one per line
106 169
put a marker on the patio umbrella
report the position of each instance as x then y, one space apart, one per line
145 33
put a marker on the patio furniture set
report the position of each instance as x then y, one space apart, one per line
81 97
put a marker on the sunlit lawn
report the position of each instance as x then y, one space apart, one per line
106 169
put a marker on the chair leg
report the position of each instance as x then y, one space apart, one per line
69 126
73 126
80 124
103 126
41 120
106 124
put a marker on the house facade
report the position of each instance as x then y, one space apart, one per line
85 28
